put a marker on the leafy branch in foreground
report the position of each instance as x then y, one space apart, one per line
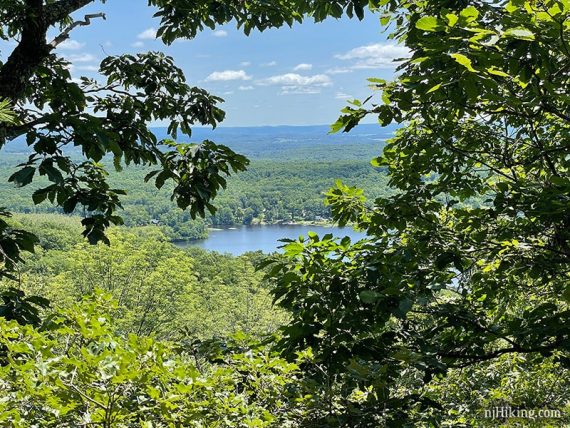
469 259
76 371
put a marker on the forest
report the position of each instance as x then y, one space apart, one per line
453 311
291 170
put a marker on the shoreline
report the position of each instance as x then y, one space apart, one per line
218 228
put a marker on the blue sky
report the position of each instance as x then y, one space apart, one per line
298 76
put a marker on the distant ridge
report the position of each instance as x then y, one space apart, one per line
280 131
273 142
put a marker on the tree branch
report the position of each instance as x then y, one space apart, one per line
33 48
473 359
65 34
30 52
56 12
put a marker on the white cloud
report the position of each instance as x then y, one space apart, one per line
292 83
138 44
148 34
82 58
378 55
303 67
342 96
298 80
88 68
300 90
245 63
228 93
71 45
269 64
223 76
82 62
246 88
220 33
339 70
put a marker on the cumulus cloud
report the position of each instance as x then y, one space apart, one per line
245 63
87 68
303 67
148 34
82 62
269 64
293 83
298 80
138 44
71 45
246 88
82 58
378 55
339 70
227 75
220 33
342 96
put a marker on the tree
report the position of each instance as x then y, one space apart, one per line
15 305
469 259
78 372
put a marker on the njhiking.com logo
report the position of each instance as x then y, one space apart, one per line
508 412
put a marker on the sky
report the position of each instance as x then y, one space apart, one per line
289 76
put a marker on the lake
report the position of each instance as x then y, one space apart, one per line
242 239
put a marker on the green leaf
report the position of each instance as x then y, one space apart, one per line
566 294
495 71
464 61
510 7
520 33
39 196
23 177
369 296
428 23
451 19
376 162
469 14
434 88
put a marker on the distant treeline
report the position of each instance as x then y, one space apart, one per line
284 183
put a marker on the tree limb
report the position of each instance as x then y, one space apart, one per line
30 52
65 34
33 48
56 12
473 359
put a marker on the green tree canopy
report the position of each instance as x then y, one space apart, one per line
443 282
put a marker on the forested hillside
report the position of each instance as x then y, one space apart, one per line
291 169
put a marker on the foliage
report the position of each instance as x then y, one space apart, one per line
447 307
54 232
442 284
520 381
111 115
6 114
76 371
201 300
13 242
161 290
21 308
270 191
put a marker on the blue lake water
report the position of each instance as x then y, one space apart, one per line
265 238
